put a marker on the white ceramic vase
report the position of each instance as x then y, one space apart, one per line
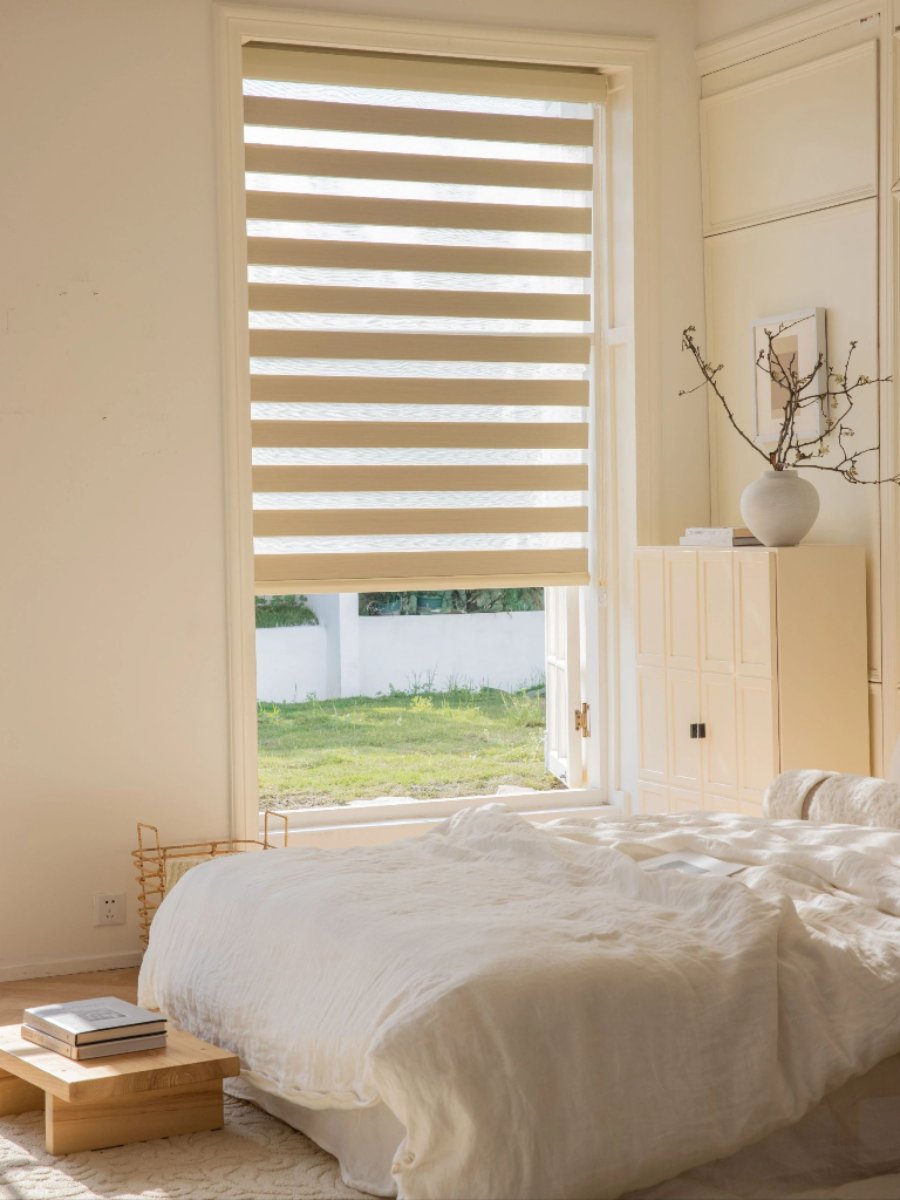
780 507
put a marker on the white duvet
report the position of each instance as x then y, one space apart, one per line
543 1017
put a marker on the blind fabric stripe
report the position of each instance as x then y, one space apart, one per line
443 347
344 572
416 122
367 521
421 168
326 389
443 295
542 306
564 478
430 214
446 435
369 256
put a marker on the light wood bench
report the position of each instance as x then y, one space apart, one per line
116 1100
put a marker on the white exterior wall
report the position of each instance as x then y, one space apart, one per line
502 650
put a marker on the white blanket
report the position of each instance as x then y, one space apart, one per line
544 1018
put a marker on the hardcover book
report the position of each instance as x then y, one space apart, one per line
82 1022
126 1045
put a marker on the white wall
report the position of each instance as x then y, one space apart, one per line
113 681
501 650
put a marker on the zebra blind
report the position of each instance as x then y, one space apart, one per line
419 253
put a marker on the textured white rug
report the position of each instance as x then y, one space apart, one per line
254 1156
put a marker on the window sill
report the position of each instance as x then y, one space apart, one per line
369 823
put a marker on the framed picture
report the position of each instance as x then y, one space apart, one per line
796 349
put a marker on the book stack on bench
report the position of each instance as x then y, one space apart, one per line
94 1028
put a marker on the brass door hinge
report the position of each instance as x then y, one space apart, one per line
581 720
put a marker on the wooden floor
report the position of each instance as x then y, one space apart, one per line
55 988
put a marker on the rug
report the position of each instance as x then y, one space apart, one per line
255 1157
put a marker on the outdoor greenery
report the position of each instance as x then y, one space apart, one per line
459 600
417 743
272 611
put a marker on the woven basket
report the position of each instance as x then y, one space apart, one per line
160 867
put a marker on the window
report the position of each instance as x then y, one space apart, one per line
419 256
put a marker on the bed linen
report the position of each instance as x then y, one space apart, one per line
543 1018
845 1138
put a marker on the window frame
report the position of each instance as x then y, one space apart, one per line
625 322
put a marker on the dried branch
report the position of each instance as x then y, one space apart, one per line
835 401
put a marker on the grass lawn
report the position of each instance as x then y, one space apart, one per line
454 743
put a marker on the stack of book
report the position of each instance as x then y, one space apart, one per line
94 1028
728 536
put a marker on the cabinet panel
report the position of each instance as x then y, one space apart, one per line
682 612
652 751
754 613
649 591
758 759
720 756
683 694
716 611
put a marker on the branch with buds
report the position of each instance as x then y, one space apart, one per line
835 403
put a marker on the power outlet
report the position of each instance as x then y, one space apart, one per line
109 909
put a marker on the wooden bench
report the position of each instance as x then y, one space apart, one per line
113 1101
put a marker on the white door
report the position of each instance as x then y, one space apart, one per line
563 744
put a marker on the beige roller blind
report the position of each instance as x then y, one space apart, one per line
419 256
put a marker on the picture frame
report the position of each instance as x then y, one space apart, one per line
801 345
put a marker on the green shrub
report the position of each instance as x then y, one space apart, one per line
459 600
273 611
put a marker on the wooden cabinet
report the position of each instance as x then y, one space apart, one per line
750 662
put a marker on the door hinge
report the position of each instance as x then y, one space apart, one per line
582 724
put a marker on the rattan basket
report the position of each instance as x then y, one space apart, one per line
160 867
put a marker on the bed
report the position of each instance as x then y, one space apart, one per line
497 1009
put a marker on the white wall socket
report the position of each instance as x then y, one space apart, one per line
109 909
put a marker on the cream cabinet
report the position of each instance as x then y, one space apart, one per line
749 662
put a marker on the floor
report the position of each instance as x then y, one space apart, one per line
54 988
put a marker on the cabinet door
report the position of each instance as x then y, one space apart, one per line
754 612
758 758
683 695
649 607
682 614
652 750
720 752
716 581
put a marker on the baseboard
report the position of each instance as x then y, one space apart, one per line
70 966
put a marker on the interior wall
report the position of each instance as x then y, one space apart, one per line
794 219
113 687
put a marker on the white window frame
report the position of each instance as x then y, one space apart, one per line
625 372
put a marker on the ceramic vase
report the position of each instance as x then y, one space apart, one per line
780 507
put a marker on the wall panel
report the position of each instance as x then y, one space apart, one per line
792 141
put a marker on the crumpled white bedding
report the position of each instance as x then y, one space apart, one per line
544 1018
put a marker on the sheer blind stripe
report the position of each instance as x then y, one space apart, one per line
419 255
